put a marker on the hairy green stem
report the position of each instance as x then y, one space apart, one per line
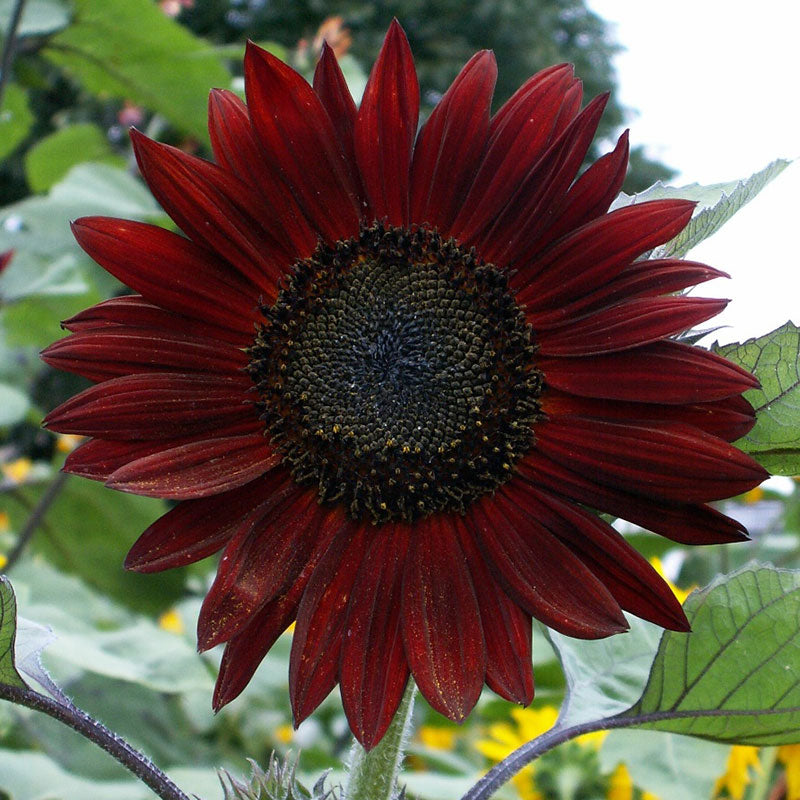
372 774
7 59
80 721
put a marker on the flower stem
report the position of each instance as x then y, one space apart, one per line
80 721
762 785
373 774
9 45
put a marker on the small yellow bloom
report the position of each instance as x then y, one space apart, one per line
17 471
284 733
754 495
67 442
620 784
437 737
3 561
5 521
681 594
736 777
789 756
172 622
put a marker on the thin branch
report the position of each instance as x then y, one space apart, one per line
116 746
9 45
35 519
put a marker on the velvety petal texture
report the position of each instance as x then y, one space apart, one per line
222 383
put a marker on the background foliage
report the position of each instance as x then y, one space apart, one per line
124 646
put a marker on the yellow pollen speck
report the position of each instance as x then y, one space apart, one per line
171 622
17 471
337 428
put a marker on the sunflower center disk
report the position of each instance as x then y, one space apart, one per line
395 372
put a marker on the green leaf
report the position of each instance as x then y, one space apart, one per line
716 204
14 405
8 635
665 764
773 358
605 676
15 119
87 531
38 17
736 677
135 51
51 158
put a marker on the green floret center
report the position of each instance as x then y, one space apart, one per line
395 372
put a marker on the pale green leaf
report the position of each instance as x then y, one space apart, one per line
14 404
775 360
716 204
52 157
8 635
736 677
38 16
665 764
15 119
137 52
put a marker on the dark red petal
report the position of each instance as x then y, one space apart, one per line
264 556
154 406
544 577
314 663
729 418
216 209
195 529
299 138
520 133
672 461
661 372
100 355
331 88
246 650
97 459
135 312
386 126
442 627
514 235
506 628
591 195
197 469
635 585
640 279
598 251
681 522
452 143
626 325
373 668
170 271
237 150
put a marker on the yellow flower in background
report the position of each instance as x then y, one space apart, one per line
172 622
681 594
754 495
16 471
789 756
284 733
5 522
437 737
736 777
620 785
67 442
3 561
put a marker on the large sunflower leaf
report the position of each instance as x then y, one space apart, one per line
716 204
8 635
135 51
775 360
736 678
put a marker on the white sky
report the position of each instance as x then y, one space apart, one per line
717 87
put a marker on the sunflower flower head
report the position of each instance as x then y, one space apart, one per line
388 371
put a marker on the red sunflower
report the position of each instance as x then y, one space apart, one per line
386 372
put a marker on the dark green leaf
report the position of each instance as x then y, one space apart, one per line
15 119
773 358
51 158
135 51
736 677
88 530
8 634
